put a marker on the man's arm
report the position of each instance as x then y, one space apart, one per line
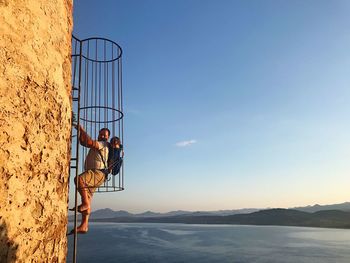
86 140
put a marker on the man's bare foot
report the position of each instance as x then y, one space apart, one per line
82 229
79 231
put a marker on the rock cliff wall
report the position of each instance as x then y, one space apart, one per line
35 113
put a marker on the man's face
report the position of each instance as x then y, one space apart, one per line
103 135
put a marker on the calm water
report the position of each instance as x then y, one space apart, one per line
132 243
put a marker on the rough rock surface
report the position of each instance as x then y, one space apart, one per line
35 114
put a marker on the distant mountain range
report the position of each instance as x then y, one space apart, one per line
311 209
336 215
278 216
109 213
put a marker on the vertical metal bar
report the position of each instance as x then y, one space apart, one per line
96 87
120 88
85 111
121 99
74 61
119 122
94 92
76 170
87 92
89 88
113 91
99 98
105 81
114 98
113 106
99 95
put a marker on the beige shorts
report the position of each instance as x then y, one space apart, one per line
92 179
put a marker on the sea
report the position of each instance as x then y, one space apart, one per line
170 243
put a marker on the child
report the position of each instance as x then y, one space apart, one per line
115 156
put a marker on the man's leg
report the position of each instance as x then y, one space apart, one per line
85 197
84 208
84 226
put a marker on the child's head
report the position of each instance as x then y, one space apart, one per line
115 142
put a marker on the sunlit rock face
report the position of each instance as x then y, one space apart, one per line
35 113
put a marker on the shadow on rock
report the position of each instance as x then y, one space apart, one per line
8 249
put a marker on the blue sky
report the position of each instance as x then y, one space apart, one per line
259 89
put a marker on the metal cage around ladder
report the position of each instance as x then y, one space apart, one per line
97 93
97 102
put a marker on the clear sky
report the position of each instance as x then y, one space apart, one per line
229 104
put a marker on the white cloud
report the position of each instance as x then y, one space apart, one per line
185 143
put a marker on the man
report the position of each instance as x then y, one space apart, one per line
94 174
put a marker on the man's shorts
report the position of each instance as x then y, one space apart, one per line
92 179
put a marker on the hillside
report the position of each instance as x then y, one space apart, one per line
281 217
109 213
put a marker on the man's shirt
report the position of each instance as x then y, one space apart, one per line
93 159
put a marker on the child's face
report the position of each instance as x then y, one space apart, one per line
115 144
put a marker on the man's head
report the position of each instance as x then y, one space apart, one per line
103 135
